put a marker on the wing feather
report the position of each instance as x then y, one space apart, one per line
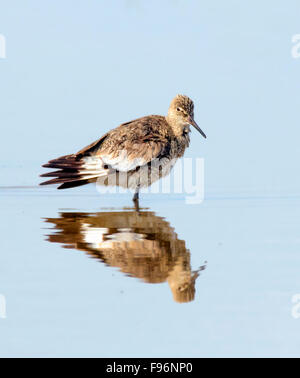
134 144
129 146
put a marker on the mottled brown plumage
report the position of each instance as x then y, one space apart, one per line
128 150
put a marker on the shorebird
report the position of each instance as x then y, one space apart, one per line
133 155
141 245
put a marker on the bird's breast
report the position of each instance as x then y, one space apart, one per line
180 144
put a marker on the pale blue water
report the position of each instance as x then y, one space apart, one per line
60 302
76 69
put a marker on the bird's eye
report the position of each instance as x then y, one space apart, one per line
178 109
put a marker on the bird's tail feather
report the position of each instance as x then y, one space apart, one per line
73 172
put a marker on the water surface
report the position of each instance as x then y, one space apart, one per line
84 275
84 279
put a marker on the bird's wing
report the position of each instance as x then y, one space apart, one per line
91 148
130 145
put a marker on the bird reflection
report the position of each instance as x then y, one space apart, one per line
140 244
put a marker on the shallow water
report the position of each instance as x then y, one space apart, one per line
81 274
84 276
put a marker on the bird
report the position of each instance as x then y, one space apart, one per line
144 246
133 155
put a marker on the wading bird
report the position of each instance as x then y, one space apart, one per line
133 155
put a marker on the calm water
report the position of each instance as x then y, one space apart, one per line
81 279
81 275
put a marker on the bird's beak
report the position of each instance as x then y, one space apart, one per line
192 122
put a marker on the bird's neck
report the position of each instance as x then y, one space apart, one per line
177 126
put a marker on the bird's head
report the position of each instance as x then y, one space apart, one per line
181 113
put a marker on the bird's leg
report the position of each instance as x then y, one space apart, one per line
135 198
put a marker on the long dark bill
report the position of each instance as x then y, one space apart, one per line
193 123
